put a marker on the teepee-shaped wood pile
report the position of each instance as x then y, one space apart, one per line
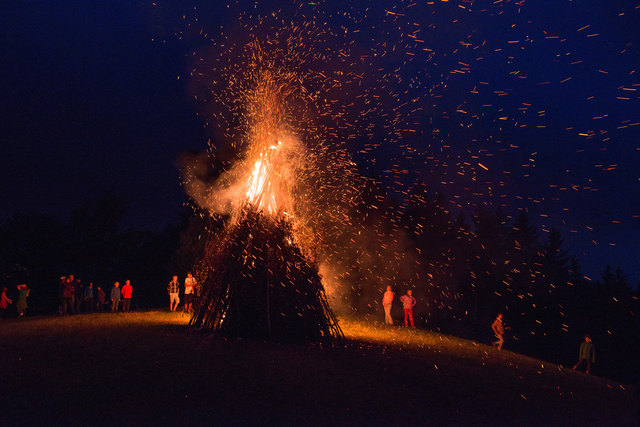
256 283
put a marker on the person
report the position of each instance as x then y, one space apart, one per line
115 297
126 291
74 285
189 285
408 301
173 288
61 284
586 353
89 298
101 298
4 303
387 300
68 292
79 296
498 330
23 293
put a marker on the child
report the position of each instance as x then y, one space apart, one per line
23 293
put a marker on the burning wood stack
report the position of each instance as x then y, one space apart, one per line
258 284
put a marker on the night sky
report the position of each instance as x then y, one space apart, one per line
91 102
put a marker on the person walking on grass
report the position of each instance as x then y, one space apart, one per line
115 297
21 305
387 300
102 297
126 291
173 288
4 303
586 353
408 302
189 288
498 330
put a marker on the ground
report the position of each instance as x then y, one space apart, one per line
148 368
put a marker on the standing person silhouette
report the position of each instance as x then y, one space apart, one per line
408 302
387 300
115 297
173 288
126 292
189 289
586 353
498 329
21 305
4 303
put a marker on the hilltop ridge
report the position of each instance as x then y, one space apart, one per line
148 368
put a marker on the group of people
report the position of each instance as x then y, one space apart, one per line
408 302
76 298
173 289
21 303
586 353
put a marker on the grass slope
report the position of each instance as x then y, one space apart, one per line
149 369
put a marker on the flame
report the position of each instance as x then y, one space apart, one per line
261 191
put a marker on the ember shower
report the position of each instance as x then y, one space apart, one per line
286 103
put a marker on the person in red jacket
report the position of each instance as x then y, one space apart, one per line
126 292
408 301
4 303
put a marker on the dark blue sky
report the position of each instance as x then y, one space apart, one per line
91 102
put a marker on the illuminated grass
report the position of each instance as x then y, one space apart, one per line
155 371
67 324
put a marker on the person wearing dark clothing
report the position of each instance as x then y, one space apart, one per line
68 292
89 298
71 279
79 296
586 353
21 305
115 297
102 297
63 281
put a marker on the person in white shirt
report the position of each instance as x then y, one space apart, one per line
189 290
387 299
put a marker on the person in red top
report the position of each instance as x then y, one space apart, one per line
4 303
408 301
126 292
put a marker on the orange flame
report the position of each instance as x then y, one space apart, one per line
261 191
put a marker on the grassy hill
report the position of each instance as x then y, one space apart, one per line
148 368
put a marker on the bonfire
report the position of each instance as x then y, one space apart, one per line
256 280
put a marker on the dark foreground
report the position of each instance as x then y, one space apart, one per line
149 369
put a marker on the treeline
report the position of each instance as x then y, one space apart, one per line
463 269
38 249
466 268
